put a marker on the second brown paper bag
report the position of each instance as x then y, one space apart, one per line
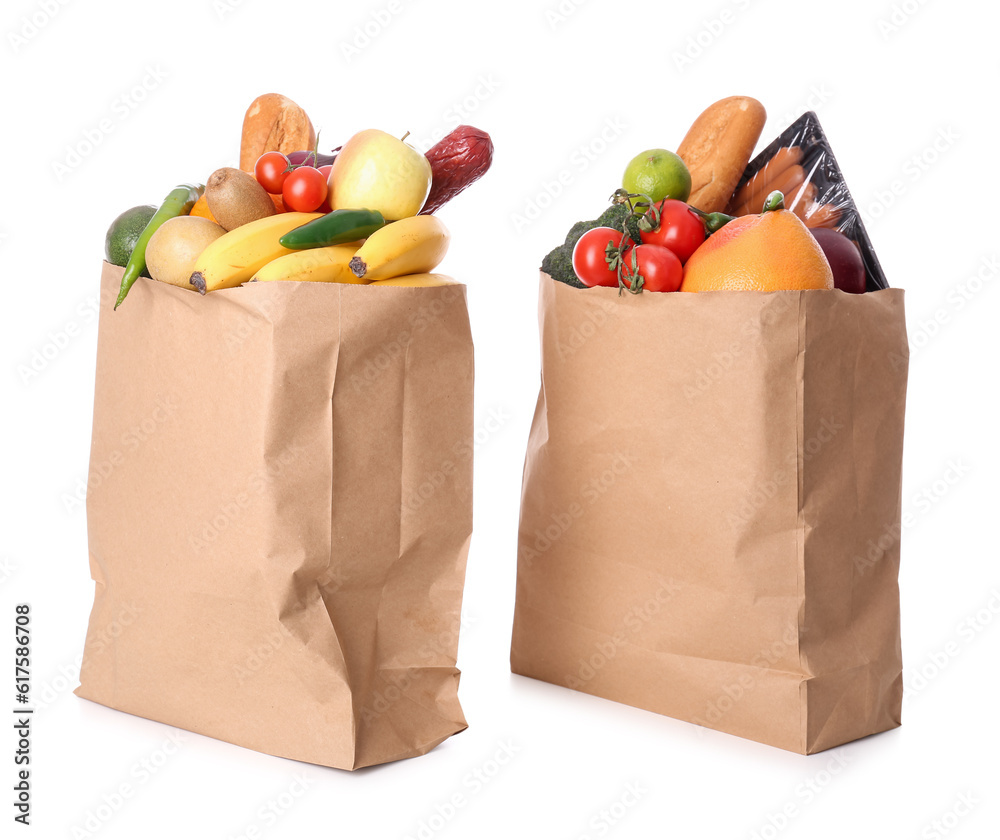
711 505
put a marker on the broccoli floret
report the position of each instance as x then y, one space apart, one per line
558 263
575 232
612 217
615 215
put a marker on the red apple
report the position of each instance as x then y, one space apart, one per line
844 258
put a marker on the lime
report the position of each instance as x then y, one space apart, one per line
659 174
121 237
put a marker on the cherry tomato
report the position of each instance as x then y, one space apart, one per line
325 172
304 189
659 268
270 171
590 260
681 230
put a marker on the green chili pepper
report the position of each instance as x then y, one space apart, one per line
334 228
178 203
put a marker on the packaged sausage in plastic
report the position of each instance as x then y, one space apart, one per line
801 164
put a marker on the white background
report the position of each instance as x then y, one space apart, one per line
907 93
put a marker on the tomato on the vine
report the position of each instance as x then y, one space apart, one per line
659 268
590 256
304 189
270 170
325 171
681 229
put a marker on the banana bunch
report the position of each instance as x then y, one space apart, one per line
236 256
400 254
318 265
414 245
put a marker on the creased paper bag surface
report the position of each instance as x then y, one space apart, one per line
279 514
711 505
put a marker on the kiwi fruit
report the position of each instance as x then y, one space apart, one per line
235 198
172 251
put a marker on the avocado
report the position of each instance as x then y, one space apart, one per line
124 232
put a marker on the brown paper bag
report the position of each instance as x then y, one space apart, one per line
279 514
710 513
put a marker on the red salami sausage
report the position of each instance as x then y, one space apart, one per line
460 158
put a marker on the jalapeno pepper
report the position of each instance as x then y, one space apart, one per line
334 228
178 203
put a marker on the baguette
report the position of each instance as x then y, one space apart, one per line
274 123
718 147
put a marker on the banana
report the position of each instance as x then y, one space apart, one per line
417 280
414 245
235 256
321 265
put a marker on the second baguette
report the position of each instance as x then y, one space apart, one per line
718 147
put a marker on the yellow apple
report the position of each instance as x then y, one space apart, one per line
377 171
